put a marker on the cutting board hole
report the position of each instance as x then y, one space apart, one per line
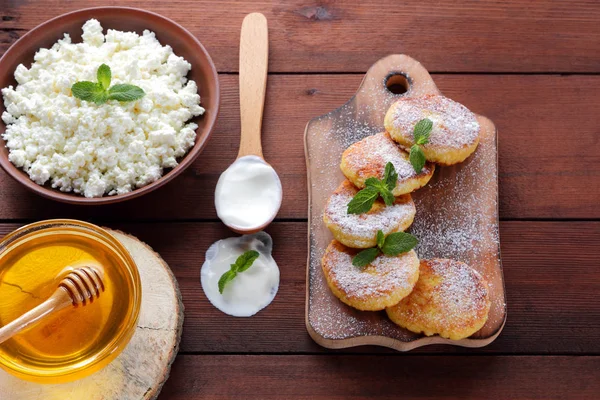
397 83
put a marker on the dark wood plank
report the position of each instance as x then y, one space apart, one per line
483 36
549 156
550 271
8 36
382 377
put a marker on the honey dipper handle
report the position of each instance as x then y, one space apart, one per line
59 300
254 57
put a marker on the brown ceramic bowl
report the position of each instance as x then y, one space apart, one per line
125 19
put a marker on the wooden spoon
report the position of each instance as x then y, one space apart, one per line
254 58
79 288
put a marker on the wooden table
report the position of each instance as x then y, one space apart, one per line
532 67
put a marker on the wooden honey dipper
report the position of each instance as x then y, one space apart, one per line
80 287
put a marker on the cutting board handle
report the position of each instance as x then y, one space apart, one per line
397 71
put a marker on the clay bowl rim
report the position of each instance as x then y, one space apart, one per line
202 134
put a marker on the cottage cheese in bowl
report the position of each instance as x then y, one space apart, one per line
97 149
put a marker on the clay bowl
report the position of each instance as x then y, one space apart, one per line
125 19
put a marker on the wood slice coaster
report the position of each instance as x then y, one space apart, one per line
143 367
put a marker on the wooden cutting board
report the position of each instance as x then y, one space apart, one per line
140 371
457 212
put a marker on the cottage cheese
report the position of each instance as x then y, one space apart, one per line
95 149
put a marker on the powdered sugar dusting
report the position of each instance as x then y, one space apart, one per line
457 211
456 303
366 225
453 124
462 292
380 278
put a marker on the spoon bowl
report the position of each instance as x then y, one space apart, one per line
250 195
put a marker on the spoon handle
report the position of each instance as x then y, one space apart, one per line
59 300
254 58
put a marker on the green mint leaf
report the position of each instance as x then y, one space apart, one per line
373 183
125 92
422 131
99 92
391 176
363 201
398 243
388 197
225 278
242 263
88 91
417 158
101 97
380 238
379 186
104 76
245 261
376 184
365 257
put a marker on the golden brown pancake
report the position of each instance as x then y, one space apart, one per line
360 230
455 132
450 299
380 284
368 158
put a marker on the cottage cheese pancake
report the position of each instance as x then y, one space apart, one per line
455 133
360 230
450 299
96 149
381 284
368 158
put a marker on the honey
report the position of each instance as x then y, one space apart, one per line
75 341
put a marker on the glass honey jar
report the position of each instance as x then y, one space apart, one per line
78 340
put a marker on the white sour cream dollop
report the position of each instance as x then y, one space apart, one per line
250 291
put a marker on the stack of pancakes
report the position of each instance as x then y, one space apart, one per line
437 296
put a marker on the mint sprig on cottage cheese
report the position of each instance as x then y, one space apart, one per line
100 92
109 148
